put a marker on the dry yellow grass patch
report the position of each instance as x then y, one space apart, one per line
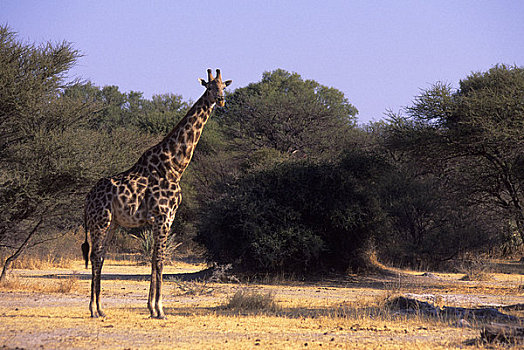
40 262
130 327
66 285
246 300
334 315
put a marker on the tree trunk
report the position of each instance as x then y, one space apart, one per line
520 225
19 251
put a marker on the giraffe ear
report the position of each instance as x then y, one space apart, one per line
202 81
227 82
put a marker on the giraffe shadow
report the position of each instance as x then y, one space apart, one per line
188 276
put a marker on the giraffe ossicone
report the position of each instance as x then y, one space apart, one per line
147 193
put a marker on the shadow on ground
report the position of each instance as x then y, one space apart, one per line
191 276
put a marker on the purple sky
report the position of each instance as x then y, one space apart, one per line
379 53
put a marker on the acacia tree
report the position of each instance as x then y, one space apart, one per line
49 155
31 116
288 115
472 137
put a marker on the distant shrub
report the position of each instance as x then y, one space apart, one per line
145 237
430 225
296 217
67 285
252 301
476 268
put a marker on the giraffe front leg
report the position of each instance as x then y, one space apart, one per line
98 306
161 230
151 299
158 302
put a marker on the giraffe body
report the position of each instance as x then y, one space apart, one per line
148 193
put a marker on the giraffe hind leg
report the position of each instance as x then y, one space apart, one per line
94 304
98 249
95 290
97 260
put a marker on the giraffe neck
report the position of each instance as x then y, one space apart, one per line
180 143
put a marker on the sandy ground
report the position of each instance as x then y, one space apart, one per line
331 313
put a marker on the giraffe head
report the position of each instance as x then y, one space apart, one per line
215 87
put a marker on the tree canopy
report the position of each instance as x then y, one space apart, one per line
473 137
49 155
287 114
283 178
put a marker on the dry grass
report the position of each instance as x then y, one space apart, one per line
475 269
476 276
67 285
245 300
346 313
127 328
35 262
62 286
190 288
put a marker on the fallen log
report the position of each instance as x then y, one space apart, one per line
513 307
406 305
502 333
510 333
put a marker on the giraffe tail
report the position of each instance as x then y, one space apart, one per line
85 245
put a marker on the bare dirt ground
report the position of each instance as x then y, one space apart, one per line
48 309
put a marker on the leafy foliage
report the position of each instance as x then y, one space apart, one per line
129 110
283 179
49 155
288 114
35 124
144 235
473 138
297 217
428 225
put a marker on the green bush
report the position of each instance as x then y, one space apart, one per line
296 217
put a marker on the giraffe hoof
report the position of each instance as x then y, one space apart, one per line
98 314
159 317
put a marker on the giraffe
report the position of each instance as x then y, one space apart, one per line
147 193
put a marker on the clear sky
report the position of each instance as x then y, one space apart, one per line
379 53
